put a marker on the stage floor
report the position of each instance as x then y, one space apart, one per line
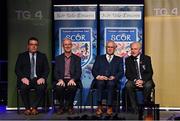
50 115
85 115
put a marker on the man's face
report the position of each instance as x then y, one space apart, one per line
110 48
32 46
135 49
67 45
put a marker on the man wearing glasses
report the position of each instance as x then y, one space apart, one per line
32 71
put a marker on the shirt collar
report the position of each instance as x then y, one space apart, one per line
30 54
138 57
67 56
107 56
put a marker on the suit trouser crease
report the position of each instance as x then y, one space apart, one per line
131 91
109 86
25 90
66 95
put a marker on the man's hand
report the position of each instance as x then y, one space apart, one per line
139 83
60 83
111 78
41 81
99 77
25 81
71 83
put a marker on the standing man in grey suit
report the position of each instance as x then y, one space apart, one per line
67 74
32 71
139 74
107 71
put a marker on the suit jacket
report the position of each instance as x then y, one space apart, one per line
145 68
75 67
23 66
101 65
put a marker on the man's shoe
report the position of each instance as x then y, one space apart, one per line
60 111
27 112
70 111
99 110
34 111
109 111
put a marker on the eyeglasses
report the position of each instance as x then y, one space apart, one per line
33 44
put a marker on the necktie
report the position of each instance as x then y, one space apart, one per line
32 66
109 58
137 69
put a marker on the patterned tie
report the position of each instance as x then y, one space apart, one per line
137 68
32 66
109 58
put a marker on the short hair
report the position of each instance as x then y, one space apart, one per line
112 42
139 43
66 39
33 38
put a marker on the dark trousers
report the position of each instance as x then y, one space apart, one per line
25 90
131 92
109 87
66 95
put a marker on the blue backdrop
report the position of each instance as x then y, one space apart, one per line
80 25
122 23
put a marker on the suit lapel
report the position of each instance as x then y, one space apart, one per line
133 66
27 62
105 59
63 63
113 63
37 59
28 56
113 59
72 64
140 63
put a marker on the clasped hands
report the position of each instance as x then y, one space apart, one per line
70 83
100 77
139 83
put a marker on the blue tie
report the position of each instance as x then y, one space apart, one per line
32 66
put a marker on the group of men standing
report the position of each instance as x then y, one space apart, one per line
32 71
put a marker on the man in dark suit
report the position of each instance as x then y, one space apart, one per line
32 71
107 71
139 74
67 74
